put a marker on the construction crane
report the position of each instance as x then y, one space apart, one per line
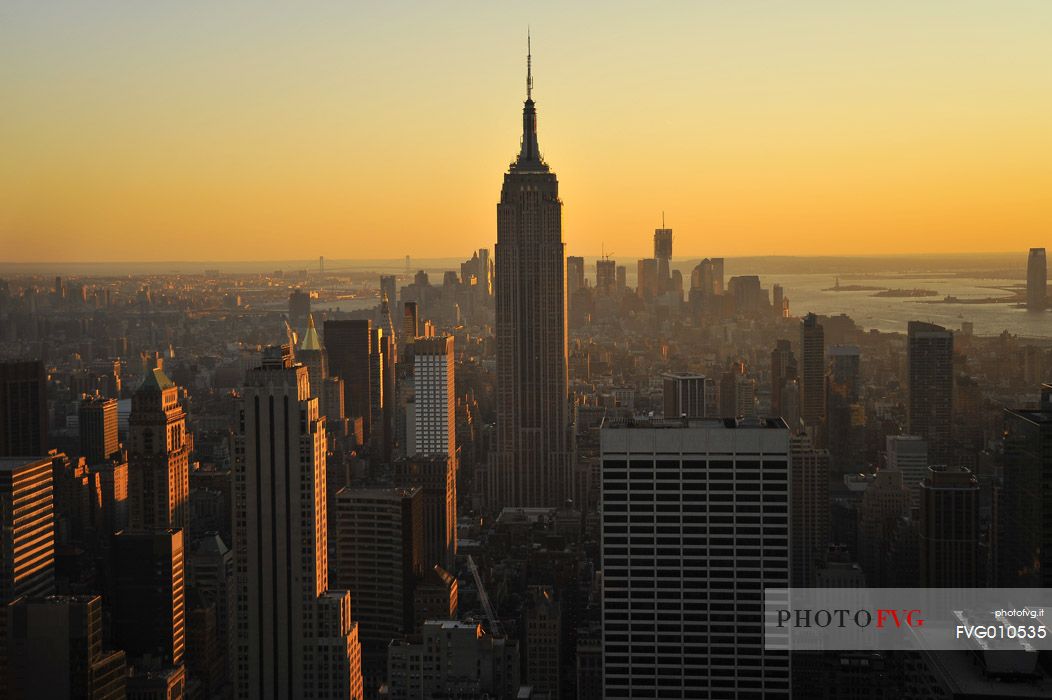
494 623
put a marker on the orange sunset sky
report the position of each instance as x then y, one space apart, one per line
273 130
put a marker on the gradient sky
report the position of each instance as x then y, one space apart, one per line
275 130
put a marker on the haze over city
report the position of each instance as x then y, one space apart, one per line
409 353
202 132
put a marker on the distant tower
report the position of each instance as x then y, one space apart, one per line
349 346
812 371
158 455
321 264
930 375
574 273
1036 280
605 276
663 255
532 466
809 532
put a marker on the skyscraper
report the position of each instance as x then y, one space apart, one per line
287 619
57 651
1036 280
809 511
1024 528
436 475
844 422
908 454
663 256
377 558
532 466
410 323
812 371
27 533
930 378
432 423
23 409
98 429
949 528
574 273
158 455
149 597
783 370
717 496
349 346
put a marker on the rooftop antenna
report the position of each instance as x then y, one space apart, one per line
529 66
662 218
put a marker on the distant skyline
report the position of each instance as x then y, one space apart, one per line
255 131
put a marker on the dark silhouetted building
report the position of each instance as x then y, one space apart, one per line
532 466
930 379
812 372
349 347
23 409
949 528
1036 280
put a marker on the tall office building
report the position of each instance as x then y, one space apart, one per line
682 591
27 567
663 256
389 288
688 395
295 637
621 279
845 425
783 371
148 599
647 278
908 454
210 575
949 528
574 273
98 429
532 466
431 420
1036 280
377 558
543 640
812 372
930 379
1024 527
57 651
436 476
299 307
23 409
810 528
410 323
605 276
158 455
349 346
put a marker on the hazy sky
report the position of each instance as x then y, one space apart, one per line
266 130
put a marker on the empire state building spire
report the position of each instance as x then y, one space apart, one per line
529 159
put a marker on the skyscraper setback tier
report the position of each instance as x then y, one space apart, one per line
532 466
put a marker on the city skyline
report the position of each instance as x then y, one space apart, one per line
916 135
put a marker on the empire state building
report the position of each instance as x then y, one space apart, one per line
532 467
